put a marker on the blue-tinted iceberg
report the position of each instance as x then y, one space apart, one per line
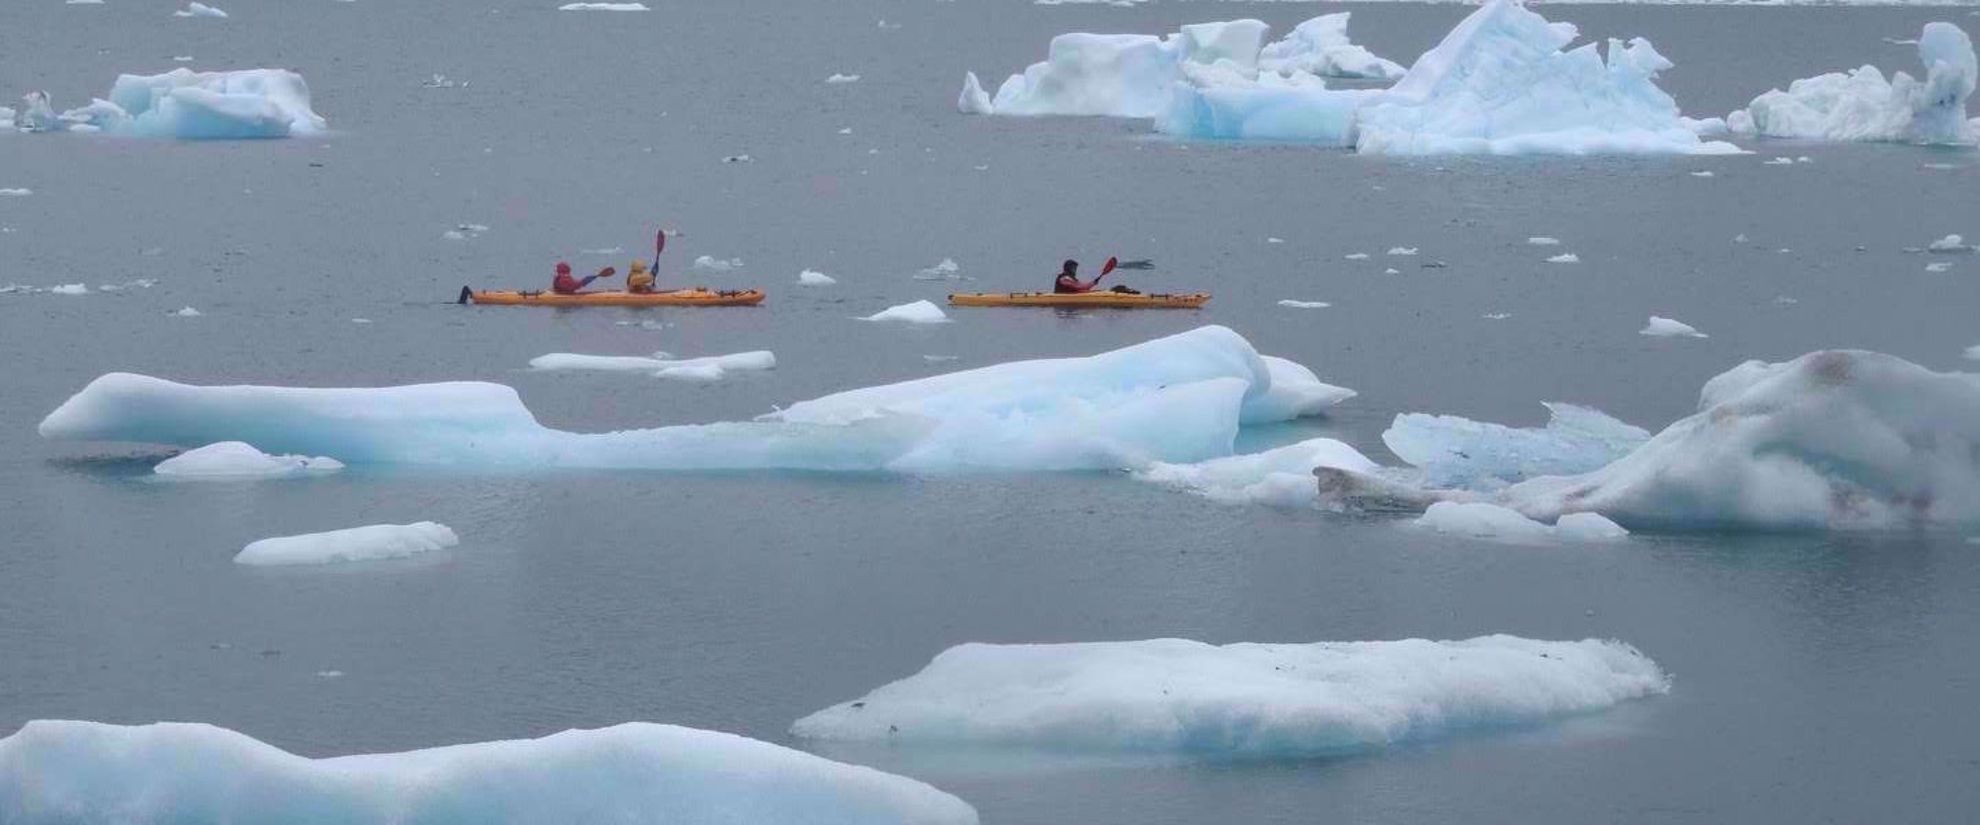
1178 399
69 772
1238 700
1120 75
1862 105
1459 452
189 105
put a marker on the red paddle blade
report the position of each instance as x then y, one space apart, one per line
1111 263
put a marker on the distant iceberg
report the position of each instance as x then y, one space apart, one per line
1176 399
189 105
1239 700
1860 105
66 772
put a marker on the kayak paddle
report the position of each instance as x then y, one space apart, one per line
1109 267
659 243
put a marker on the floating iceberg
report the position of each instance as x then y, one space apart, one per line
1320 46
1459 452
919 312
661 365
65 772
370 543
1833 439
1297 304
1280 477
197 9
1490 521
1122 75
1660 327
252 103
1238 700
811 277
234 461
1862 105
1175 399
1500 83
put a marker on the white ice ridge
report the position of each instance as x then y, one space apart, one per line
1498 83
1280 477
1836 439
236 461
67 771
184 104
1479 519
1861 105
661 365
1459 452
1320 46
1174 399
369 543
1238 700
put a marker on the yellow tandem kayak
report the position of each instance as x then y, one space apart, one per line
697 297
1108 300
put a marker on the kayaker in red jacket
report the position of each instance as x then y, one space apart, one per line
564 284
1069 283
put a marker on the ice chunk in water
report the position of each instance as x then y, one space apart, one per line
1458 452
371 543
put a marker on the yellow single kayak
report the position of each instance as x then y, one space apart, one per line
1108 300
697 297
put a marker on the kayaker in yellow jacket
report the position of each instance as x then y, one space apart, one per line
639 280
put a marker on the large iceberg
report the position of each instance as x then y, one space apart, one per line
1176 399
1833 439
1237 700
1862 105
1500 83
69 772
184 104
1459 452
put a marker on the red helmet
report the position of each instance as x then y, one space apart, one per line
563 268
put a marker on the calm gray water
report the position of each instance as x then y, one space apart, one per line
1819 678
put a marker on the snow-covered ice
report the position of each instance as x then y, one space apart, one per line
69 289
944 270
1833 439
1402 250
812 277
1295 304
603 7
1542 240
1177 399
661 365
187 312
1939 266
65 771
713 264
1660 327
1320 46
1356 256
1949 243
918 312
235 461
1565 258
197 9
842 78
189 105
1479 519
1458 452
1971 353
15 192
1280 477
374 542
1861 104
1500 83
1238 700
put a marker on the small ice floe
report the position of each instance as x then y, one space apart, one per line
1434 264
1972 353
1786 301
846 130
1702 173
1288 302
1739 238
737 159
919 312
886 26
1780 162
603 7
187 312
1939 266
812 277
182 58
1565 258
69 289
1402 250
1275 240
329 674
239 461
440 81
1660 327
465 231
711 263
937 359
1356 256
1542 240
360 320
1949 243
662 365
1803 159
842 78
83 2
1490 521
1392 271
16 192
1496 316
197 9
945 270
608 250
370 543
1939 166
